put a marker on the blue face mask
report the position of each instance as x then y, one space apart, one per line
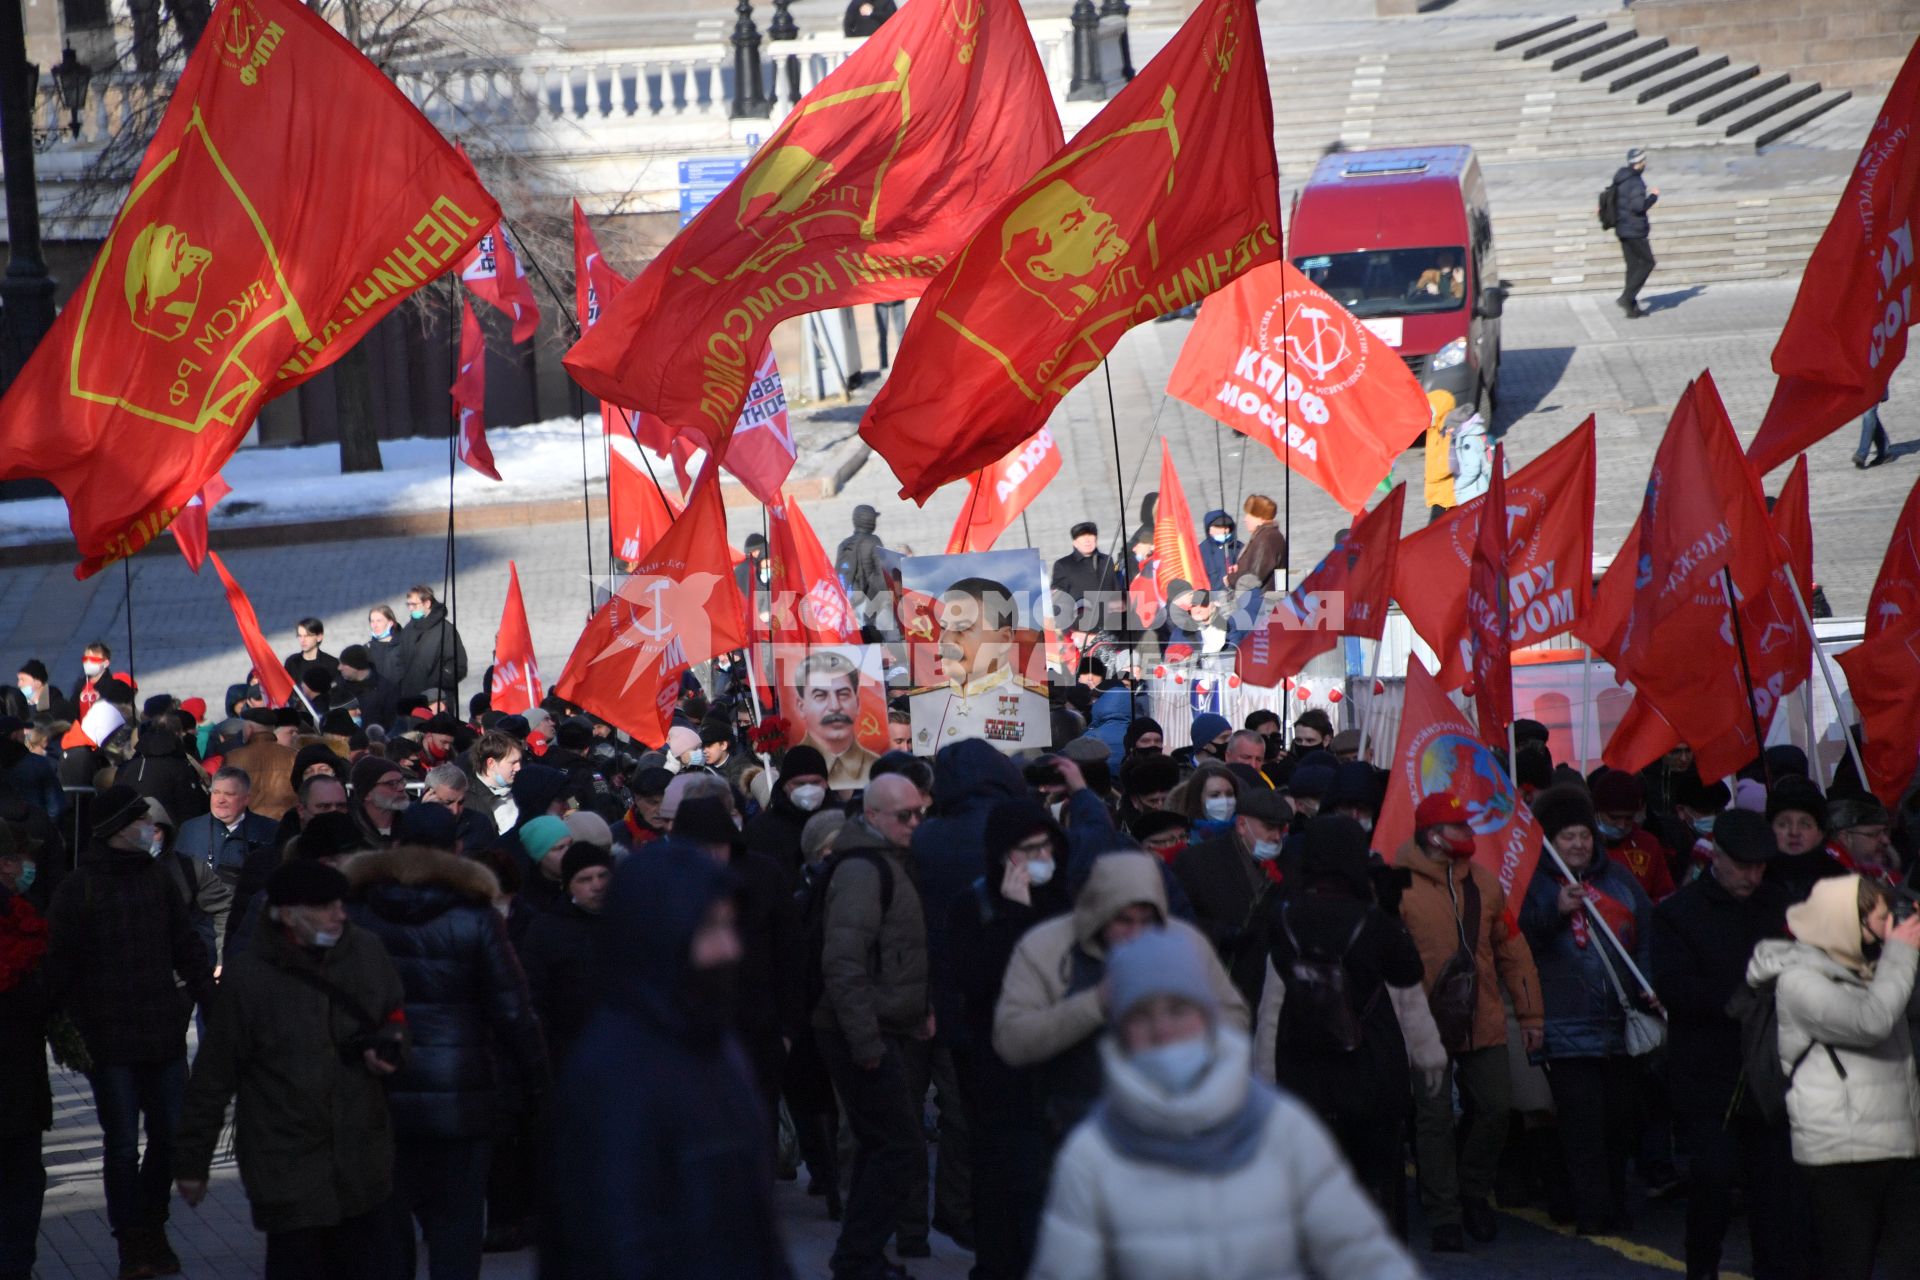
1703 826
383 633
27 872
1610 832
1176 1067
1221 535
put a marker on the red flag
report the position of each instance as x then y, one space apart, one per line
470 395
1703 513
1274 339
261 237
190 526
273 677
638 509
760 453
1883 670
1439 751
1176 552
1549 557
494 273
1346 594
1793 521
516 675
1488 614
865 190
997 494
677 608
595 285
1170 193
1847 332
809 604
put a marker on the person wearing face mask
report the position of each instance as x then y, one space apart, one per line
1189 1168
1231 878
95 663
558 950
1595 1083
1209 798
1688 830
1209 738
42 699
119 935
26 1103
306 1027
431 653
1220 550
1703 937
1459 919
1619 803
1023 885
659 1162
1841 993
798 794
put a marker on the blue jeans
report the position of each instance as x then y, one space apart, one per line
23 1186
1873 436
138 1189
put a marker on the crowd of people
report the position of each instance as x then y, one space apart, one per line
1131 1006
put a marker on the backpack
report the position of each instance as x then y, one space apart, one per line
1318 1015
811 897
1610 206
1763 1083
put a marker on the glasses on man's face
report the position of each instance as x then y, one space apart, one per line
908 817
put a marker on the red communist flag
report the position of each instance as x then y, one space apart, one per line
761 454
999 493
677 608
1171 193
470 396
273 677
1488 612
1346 594
1883 670
595 285
190 526
1703 513
1276 358
638 509
495 274
261 237
1848 328
516 675
865 190
1438 751
809 604
1793 521
1549 557
1176 551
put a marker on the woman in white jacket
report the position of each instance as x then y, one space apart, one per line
1841 991
1188 1168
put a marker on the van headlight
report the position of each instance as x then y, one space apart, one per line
1450 355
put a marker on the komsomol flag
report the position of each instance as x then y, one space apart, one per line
267 669
1488 612
677 608
1883 670
1346 594
190 526
637 507
516 675
595 285
1549 557
761 453
1437 752
1276 358
996 495
260 239
496 276
470 396
1847 332
809 604
865 190
1176 552
1170 193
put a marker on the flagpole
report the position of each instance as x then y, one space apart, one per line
1826 671
586 499
1820 774
1593 913
1120 479
1586 703
1026 530
1513 756
126 572
455 317
1746 671
1373 708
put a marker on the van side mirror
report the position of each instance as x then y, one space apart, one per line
1493 301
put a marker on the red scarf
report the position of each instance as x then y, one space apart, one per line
1845 859
23 941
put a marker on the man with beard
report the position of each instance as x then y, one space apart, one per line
379 798
827 697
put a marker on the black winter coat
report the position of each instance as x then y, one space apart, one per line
1093 585
983 927
1703 937
388 657
377 698
431 655
1230 893
161 771
1631 202
119 933
558 955
660 1164
775 833
771 958
26 1103
434 913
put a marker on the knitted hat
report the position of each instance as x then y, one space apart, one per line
581 857
1207 726
712 731
802 762
819 832
539 835
1750 795
357 657
35 668
1564 806
195 707
1793 794
1354 783
1136 727
1334 847
1311 781
1156 821
705 820
588 827
305 884
1159 962
1144 775
1617 791
432 825
1011 822
367 773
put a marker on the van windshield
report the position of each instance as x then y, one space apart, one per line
1391 282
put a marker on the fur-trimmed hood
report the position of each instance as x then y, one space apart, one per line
413 882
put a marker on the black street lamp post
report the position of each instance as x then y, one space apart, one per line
749 86
26 290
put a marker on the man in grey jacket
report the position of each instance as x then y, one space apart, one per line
874 964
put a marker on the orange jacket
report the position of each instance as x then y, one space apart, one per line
1429 910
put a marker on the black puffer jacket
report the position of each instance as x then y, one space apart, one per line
161 771
431 655
1631 202
434 913
775 833
558 953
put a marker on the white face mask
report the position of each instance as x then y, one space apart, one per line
808 796
1176 1067
1059 811
504 907
1266 850
1039 873
1219 808
93 668
327 938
